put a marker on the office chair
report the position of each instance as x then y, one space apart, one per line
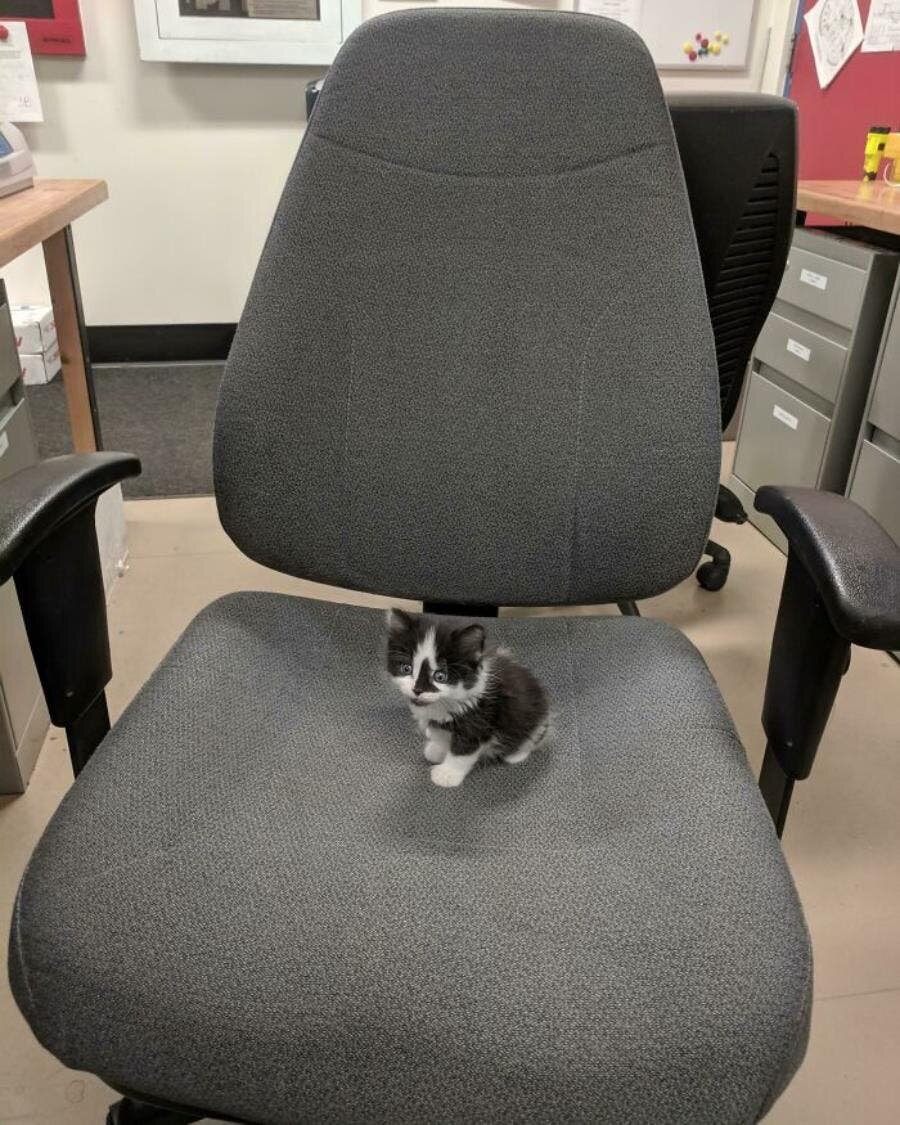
738 153
493 383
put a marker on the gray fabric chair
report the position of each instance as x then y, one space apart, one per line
475 367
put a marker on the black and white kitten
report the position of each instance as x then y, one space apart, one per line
470 704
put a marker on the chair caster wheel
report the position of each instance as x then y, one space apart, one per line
713 575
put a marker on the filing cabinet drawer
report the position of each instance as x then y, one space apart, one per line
808 358
782 439
876 487
10 368
885 410
17 447
829 289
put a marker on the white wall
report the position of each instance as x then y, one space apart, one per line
195 157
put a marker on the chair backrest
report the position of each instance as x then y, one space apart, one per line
476 363
739 155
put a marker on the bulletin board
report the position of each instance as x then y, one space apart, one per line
670 27
54 26
697 34
834 121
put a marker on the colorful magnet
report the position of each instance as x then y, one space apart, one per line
699 36
715 48
704 42
693 56
687 47
717 36
725 37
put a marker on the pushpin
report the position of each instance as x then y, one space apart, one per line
717 36
725 37
704 42
704 51
715 48
4 33
699 36
693 56
687 47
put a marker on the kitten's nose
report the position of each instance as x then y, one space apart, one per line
418 689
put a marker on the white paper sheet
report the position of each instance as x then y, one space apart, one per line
19 97
625 11
835 31
883 26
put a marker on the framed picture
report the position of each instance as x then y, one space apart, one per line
54 26
303 32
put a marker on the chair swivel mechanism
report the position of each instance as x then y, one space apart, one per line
738 153
493 383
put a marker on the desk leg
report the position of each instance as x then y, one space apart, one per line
62 276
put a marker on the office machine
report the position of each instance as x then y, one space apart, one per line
16 164
882 144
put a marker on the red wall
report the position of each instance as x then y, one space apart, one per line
834 121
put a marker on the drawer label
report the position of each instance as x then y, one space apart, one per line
798 349
783 416
816 280
4 444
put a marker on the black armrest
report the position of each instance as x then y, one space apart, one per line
37 500
841 587
852 561
48 543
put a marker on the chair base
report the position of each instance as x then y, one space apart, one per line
713 575
131 1112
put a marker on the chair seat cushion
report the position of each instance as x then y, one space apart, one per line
253 899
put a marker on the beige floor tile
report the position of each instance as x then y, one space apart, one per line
842 839
187 526
850 1076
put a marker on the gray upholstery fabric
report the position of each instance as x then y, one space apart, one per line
254 900
476 363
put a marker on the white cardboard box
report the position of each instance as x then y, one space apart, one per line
34 327
40 368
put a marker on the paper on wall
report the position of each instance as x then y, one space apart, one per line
625 11
19 97
835 31
883 26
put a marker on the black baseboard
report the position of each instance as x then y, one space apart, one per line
160 343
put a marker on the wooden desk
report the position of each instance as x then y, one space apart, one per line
44 214
872 204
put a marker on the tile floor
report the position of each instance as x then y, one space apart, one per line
842 838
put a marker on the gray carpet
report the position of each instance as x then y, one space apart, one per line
162 412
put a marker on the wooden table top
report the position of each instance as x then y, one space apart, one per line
865 203
30 216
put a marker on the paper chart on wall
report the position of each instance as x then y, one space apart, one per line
19 97
883 26
835 31
625 11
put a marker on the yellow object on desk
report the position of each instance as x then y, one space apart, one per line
882 144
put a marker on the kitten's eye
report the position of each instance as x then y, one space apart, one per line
405 669
439 677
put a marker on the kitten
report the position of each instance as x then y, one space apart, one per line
469 704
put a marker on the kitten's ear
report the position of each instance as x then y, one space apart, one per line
400 622
469 642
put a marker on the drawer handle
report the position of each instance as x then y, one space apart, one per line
798 349
816 280
783 416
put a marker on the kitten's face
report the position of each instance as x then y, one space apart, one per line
432 661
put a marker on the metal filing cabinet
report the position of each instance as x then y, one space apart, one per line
875 478
23 713
811 369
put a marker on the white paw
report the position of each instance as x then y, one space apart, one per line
435 752
446 776
518 756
